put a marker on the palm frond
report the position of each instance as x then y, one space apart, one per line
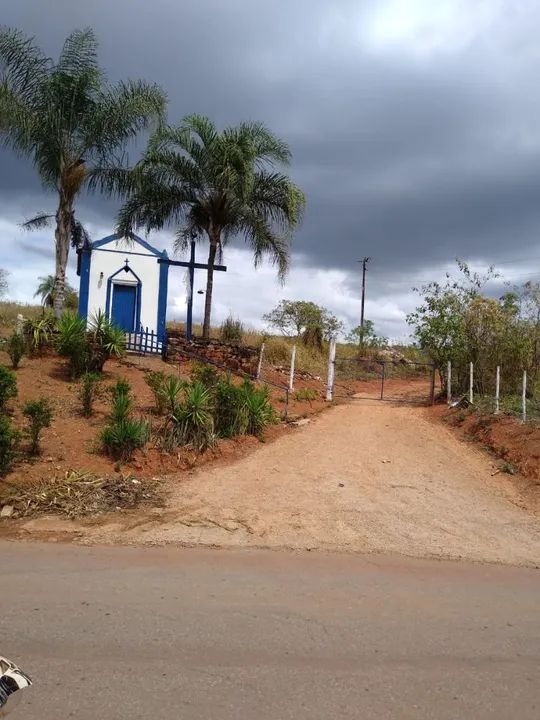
38 222
79 53
23 66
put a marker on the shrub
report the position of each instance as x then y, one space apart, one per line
207 375
155 381
306 394
15 347
89 391
192 422
9 440
232 331
8 386
259 411
38 332
39 416
229 410
123 437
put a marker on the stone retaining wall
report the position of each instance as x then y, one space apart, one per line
241 358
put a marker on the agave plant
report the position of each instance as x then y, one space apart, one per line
104 341
122 438
193 421
72 342
169 393
258 409
39 332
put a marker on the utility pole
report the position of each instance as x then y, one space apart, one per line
364 263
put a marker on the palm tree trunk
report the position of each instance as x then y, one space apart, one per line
214 242
62 239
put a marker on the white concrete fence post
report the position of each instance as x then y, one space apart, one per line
524 396
331 370
471 381
19 325
497 390
291 372
449 383
259 364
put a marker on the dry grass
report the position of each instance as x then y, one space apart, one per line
10 310
79 494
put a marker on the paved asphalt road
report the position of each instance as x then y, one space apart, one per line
165 633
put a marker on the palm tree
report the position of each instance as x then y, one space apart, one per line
69 121
46 289
216 185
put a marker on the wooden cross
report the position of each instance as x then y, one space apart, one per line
192 266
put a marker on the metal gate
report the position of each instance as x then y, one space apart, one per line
401 381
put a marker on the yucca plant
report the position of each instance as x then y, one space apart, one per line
72 342
230 417
122 438
39 332
192 421
120 408
104 341
169 393
258 409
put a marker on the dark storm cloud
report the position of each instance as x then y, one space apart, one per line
411 159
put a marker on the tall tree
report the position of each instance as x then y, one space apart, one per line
215 185
69 121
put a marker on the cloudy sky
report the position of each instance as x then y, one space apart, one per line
414 127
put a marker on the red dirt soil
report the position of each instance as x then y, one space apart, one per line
71 441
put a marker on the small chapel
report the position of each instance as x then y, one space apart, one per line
127 280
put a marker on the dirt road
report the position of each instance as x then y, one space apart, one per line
168 633
367 477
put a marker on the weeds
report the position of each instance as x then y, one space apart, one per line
231 331
39 415
306 395
155 381
204 374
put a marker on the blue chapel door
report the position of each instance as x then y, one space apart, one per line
124 302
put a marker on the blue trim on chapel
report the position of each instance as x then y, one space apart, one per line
135 238
162 299
138 299
84 286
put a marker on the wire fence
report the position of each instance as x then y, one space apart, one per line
521 405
